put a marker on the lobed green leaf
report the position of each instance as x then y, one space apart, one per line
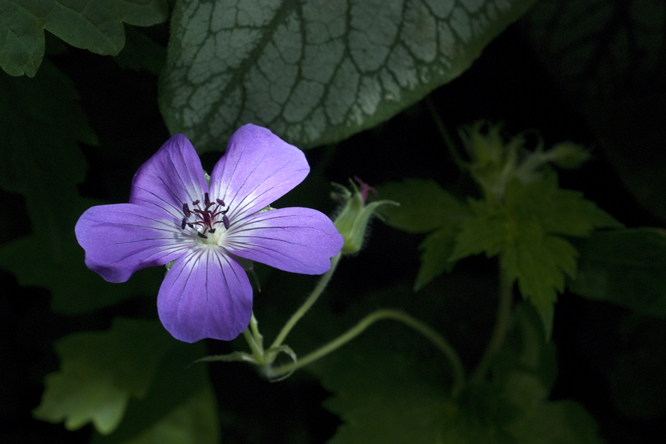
179 407
96 26
399 396
41 124
100 371
522 230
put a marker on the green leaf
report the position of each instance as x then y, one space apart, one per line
390 386
437 249
96 26
558 211
522 231
382 398
539 263
194 422
625 267
45 165
562 422
424 206
100 371
525 366
481 416
385 399
316 71
179 408
485 231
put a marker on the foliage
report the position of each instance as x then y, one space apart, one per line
551 188
96 26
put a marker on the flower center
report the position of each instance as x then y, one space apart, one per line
204 220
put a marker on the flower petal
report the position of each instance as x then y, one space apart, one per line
299 240
257 169
171 177
206 294
121 239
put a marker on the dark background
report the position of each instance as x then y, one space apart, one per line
508 84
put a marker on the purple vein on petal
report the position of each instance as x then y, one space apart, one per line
241 209
248 203
166 210
193 180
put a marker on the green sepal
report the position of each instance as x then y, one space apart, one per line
352 221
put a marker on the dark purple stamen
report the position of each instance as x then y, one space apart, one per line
205 218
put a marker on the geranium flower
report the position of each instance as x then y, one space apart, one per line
173 214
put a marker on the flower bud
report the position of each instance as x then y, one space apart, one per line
569 155
352 222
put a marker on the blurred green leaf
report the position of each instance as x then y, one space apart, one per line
522 231
398 396
525 365
608 58
625 267
179 408
100 371
424 206
316 71
382 397
141 53
41 124
96 26
481 416
194 422
561 422
437 249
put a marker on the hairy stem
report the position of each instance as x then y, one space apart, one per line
501 327
448 140
257 352
434 337
307 304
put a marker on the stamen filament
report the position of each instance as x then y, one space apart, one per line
206 217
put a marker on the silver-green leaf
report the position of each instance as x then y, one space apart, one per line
316 71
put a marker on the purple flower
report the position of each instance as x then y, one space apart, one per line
174 215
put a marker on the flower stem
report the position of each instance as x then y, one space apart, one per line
448 140
256 350
363 324
501 327
258 338
307 304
